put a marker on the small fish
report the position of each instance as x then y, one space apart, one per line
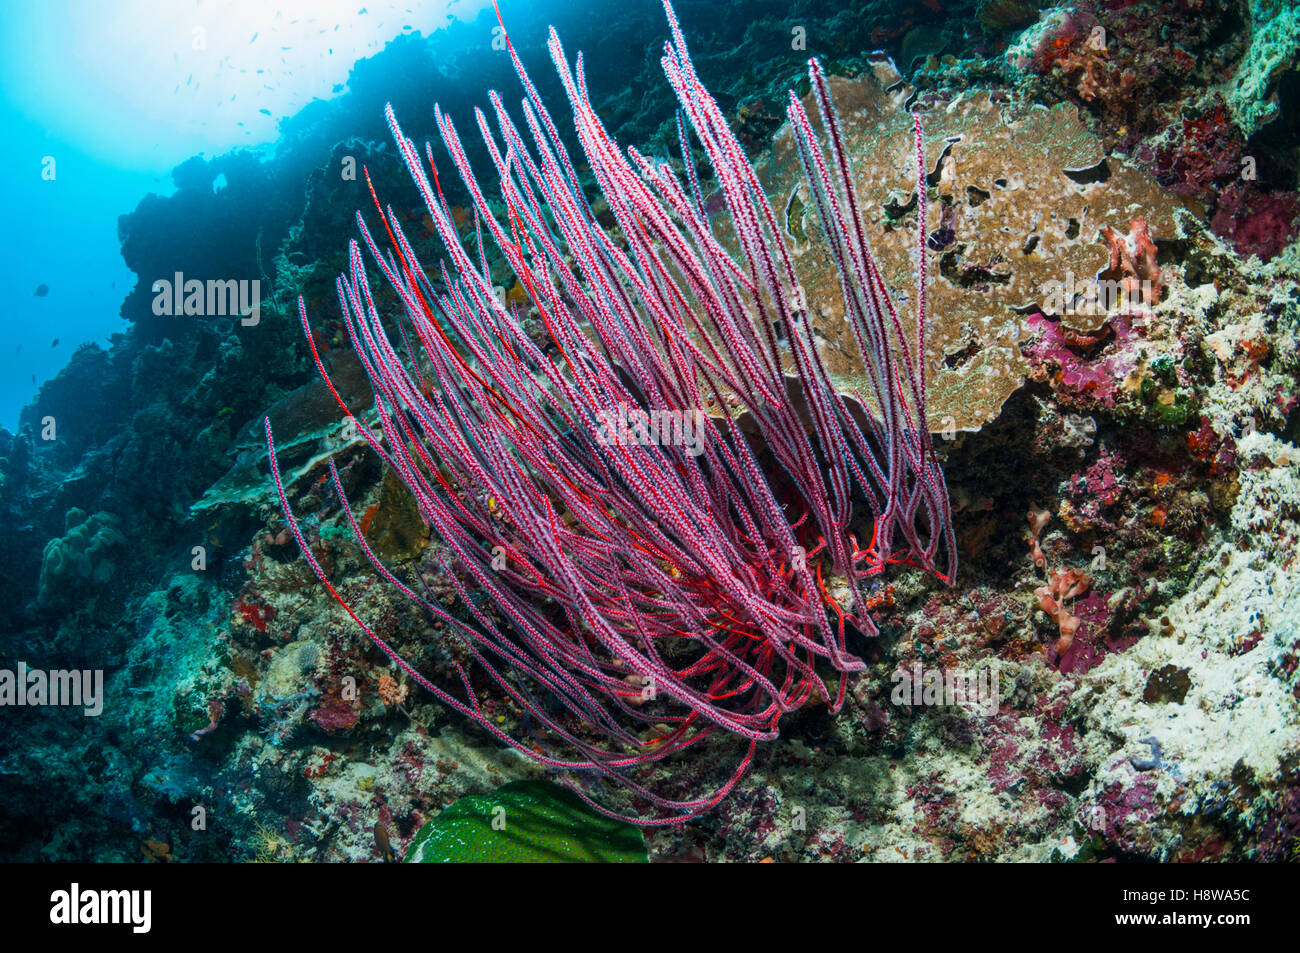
384 844
42 290
55 343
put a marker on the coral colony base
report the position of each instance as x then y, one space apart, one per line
643 595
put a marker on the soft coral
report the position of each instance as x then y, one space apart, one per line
1256 222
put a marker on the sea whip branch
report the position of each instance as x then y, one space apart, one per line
655 591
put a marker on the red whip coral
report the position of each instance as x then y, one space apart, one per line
633 596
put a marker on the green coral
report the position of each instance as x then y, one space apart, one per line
525 822
1163 367
81 561
1274 48
1170 407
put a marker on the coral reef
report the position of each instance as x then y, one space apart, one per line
77 568
679 619
1157 436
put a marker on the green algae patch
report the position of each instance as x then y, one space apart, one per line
525 822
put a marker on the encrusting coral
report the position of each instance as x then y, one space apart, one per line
1008 232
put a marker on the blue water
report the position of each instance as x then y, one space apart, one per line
117 95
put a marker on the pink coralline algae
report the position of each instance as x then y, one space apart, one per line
1256 222
1279 837
1101 481
335 715
1040 755
1120 814
1197 157
1064 357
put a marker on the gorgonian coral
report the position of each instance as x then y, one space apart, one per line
649 514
